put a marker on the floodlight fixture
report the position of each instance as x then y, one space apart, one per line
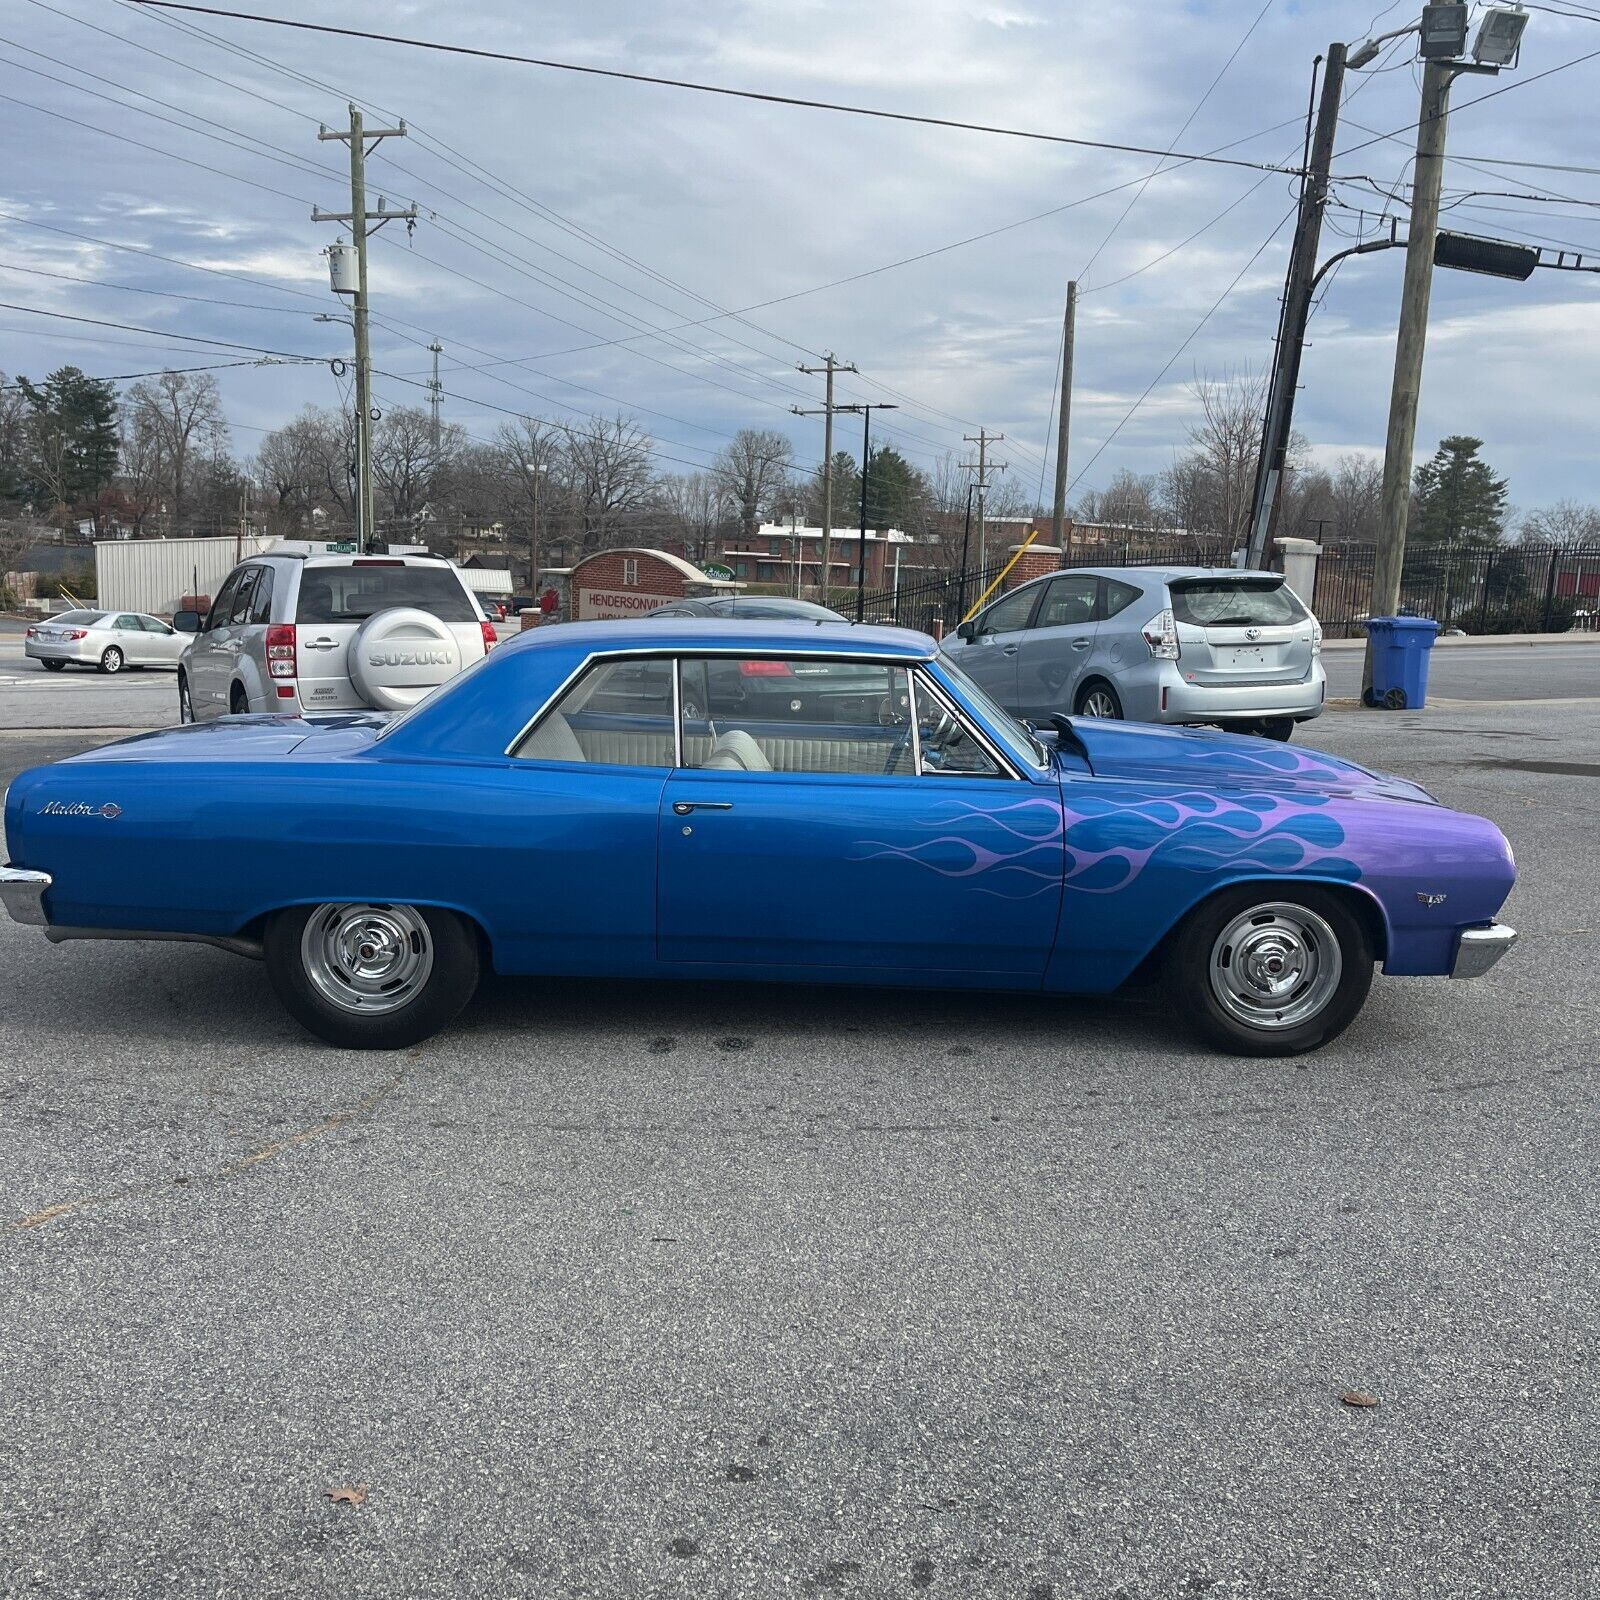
1444 31
1499 36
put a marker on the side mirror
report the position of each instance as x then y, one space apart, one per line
967 631
186 622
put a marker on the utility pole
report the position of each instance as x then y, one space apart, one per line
830 366
435 393
1409 344
359 217
1297 293
1059 537
533 538
983 439
866 411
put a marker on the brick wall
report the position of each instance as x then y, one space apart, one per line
1035 562
605 576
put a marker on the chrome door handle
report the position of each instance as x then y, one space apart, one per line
322 644
1080 644
1009 650
684 807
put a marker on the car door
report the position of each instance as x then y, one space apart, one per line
990 657
829 851
128 635
165 644
1055 649
209 661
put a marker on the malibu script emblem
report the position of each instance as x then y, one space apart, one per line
80 808
409 658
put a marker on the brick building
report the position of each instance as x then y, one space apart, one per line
770 557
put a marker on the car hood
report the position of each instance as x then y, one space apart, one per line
1206 758
251 738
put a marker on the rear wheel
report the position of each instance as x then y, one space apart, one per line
1272 969
1279 728
372 977
1099 699
111 659
54 666
238 701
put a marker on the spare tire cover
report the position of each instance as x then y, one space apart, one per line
398 656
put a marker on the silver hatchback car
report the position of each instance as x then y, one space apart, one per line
1152 644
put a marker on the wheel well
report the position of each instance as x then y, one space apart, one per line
237 693
256 927
1097 678
1362 905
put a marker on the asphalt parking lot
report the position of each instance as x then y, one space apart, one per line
624 1290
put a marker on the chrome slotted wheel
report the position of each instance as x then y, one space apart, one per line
1275 966
1098 703
368 960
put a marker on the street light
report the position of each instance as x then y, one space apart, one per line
1499 36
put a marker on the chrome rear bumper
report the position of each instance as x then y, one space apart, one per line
23 894
1480 948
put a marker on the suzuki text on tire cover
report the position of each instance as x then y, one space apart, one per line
557 810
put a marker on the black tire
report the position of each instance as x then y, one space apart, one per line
111 659
238 701
449 983
1279 728
185 701
54 666
1098 692
1343 974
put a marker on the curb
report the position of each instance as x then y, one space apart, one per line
1528 640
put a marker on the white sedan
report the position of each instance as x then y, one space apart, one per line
108 640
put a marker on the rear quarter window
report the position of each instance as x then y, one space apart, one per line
1226 604
352 594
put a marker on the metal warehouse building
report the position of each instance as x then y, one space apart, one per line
154 574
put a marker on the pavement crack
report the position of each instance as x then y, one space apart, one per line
267 1152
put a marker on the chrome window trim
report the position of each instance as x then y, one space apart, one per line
1006 767
916 731
678 656
677 713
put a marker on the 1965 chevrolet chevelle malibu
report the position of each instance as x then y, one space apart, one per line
612 799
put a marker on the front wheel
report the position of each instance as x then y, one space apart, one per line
111 660
185 703
372 977
1272 969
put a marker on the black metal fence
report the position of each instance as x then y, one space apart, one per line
1511 589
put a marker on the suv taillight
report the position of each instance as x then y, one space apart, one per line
280 650
490 637
1161 634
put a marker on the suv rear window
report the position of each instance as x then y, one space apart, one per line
1232 603
352 594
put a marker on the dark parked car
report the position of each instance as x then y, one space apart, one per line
750 608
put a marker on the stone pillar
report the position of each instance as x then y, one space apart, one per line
1298 559
1035 562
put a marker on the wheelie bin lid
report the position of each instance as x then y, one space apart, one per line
1411 625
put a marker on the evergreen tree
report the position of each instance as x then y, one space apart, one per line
894 488
70 453
846 492
1460 501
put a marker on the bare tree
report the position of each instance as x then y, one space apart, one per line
1219 480
609 462
406 463
1357 497
182 412
309 465
752 469
1566 523
693 503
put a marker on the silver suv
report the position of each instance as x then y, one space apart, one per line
1152 644
297 630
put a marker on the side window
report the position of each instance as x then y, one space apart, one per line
1009 614
1068 602
240 610
618 713
799 714
222 606
1119 596
129 625
261 606
948 746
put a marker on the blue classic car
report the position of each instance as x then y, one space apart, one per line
602 799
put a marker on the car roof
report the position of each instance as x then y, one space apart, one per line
766 635
1163 574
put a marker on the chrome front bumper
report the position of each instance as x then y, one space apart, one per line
1480 948
23 895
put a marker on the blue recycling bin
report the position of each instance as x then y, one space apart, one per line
1401 649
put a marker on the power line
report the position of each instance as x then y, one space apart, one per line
161 333
161 372
166 294
439 47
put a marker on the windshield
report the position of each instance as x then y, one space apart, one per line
1011 733
1230 603
77 616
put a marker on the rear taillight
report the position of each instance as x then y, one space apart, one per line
76 633
1161 634
764 669
1316 638
31 632
490 637
280 650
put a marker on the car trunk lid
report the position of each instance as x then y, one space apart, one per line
1238 630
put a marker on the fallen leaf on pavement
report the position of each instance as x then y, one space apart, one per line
1359 1397
357 1494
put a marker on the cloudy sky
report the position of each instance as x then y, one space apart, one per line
580 238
